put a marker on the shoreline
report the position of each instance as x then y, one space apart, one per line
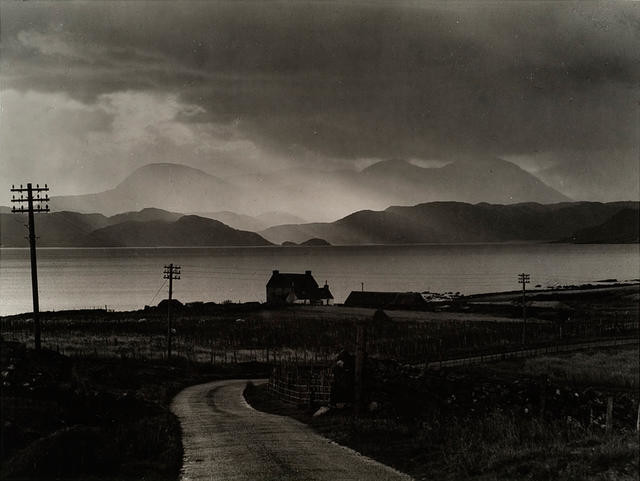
597 286
364 245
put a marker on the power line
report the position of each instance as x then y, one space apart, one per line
157 292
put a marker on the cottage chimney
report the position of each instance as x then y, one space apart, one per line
307 273
276 272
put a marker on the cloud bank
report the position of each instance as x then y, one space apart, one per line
256 87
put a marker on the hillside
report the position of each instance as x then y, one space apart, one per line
148 227
145 215
55 229
237 221
450 222
252 223
436 222
315 243
189 230
621 228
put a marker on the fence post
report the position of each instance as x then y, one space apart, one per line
609 421
360 353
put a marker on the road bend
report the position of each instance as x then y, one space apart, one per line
226 439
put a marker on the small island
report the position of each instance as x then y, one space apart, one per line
315 242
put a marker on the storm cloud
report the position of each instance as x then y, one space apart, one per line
254 87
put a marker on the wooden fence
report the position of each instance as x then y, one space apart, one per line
298 384
530 352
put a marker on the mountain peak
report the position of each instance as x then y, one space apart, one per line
390 165
180 188
165 171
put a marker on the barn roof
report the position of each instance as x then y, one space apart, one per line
384 299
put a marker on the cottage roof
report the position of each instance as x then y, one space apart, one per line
304 285
323 293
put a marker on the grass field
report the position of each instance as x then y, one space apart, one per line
615 367
98 419
106 384
225 333
488 423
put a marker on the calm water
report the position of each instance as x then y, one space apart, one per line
130 278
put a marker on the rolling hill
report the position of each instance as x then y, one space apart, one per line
252 223
621 228
56 229
435 222
148 227
188 230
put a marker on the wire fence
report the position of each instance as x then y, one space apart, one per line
301 384
306 341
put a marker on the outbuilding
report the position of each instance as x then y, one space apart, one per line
386 300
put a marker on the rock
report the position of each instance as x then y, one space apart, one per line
322 410
373 406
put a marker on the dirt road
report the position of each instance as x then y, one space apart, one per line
225 439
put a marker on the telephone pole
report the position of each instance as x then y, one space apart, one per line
34 204
524 280
171 273
361 347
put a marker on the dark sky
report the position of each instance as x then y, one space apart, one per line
91 91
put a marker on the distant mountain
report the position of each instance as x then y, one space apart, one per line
621 228
148 227
164 186
480 179
597 175
314 194
278 218
320 194
450 222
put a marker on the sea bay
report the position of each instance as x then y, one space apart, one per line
129 278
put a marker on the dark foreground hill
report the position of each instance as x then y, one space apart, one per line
436 222
189 230
451 222
148 227
622 228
